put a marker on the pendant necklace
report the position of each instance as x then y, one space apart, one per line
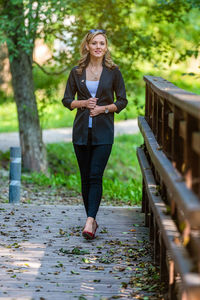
95 74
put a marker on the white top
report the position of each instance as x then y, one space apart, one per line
92 87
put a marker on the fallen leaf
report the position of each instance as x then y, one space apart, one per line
74 272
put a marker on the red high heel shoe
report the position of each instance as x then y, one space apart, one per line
89 235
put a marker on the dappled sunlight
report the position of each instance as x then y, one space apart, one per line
22 260
19 268
42 252
85 286
192 279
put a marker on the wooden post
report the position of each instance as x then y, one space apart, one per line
171 291
146 213
163 266
143 197
156 243
15 175
151 223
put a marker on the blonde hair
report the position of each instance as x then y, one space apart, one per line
85 55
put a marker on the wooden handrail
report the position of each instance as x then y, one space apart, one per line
170 164
187 101
174 117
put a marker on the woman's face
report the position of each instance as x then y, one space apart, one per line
97 46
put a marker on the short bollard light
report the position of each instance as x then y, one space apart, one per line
15 175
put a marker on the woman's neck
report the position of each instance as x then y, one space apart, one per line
95 62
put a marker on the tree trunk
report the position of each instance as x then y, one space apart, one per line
33 149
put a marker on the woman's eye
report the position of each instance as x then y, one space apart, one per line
102 43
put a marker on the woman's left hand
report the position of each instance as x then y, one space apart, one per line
96 111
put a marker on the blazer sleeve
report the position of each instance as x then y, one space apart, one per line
120 91
70 91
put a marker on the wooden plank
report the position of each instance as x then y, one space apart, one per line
171 120
183 262
177 148
146 101
154 109
196 142
184 198
33 266
187 101
159 119
167 143
182 129
195 246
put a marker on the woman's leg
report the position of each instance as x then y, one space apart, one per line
83 155
83 158
99 158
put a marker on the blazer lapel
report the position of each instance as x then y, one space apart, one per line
101 82
83 83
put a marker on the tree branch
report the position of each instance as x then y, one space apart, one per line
50 73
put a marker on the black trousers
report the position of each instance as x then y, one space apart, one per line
92 161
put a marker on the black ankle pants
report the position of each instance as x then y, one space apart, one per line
92 161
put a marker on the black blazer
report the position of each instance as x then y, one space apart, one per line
111 81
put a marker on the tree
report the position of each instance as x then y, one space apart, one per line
21 22
138 30
156 31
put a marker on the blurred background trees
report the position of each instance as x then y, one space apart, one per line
145 37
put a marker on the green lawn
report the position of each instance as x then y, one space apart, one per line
52 116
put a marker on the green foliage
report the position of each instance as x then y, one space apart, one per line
46 82
5 98
122 178
4 159
162 33
21 22
49 99
8 117
54 115
137 31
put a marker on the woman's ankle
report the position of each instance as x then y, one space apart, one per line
90 219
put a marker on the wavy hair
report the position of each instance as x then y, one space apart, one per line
85 55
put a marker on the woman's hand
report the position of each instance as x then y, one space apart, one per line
96 110
91 103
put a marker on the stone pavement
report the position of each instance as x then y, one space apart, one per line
57 135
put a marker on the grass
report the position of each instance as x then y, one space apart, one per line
54 115
122 177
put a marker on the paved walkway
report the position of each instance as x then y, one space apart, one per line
11 139
44 256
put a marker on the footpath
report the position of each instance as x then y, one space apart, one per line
57 135
43 255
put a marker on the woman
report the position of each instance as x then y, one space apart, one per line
95 80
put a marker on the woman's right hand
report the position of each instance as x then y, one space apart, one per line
91 103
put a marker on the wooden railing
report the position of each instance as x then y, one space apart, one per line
170 164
